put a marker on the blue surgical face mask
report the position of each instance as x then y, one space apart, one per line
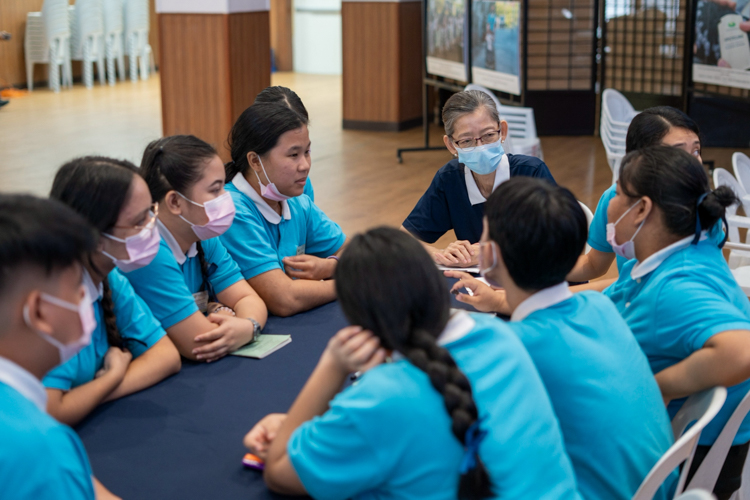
482 159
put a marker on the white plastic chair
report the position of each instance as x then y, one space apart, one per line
87 39
697 495
36 48
136 37
114 26
700 408
708 472
589 220
617 113
737 256
741 167
522 138
48 42
618 108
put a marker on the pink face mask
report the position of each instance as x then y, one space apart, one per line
142 248
85 310
270 192
220 212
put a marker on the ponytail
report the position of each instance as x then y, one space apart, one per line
376 284
108 315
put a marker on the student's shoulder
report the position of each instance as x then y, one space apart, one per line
387 387
449 173
243 204
530 166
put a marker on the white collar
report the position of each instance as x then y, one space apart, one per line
95 292
171 242
641 269
502 174
24 382
268 213
459 325
542 299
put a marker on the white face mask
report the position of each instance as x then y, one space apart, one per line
141 248
627 249
85 310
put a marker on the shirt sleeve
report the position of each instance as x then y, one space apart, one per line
248 244
62 376
542 172
162 286
332 458
323 236
430 218
309 191
598 228
689 313
135 320
226 272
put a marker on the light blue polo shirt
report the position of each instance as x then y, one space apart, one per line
135 321
40 458
674 302
309 191
389 435
260 238
598 228
610 408
167 284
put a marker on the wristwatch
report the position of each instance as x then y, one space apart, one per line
256 329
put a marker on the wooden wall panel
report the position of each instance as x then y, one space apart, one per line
249 58
195 87
13 20
381 64
281 34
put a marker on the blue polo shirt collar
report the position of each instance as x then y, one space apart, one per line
268 213
649 265
171 242
24 382
502 174
542 300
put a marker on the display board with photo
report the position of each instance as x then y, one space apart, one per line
446 44
722 43
495 45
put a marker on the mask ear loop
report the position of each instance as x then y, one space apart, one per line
698 220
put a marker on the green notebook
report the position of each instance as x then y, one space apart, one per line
265 345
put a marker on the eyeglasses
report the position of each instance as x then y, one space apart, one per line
153 213
469 144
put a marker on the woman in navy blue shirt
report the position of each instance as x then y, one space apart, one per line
474 134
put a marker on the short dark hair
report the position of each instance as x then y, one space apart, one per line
387 283
41 233
540 228
258 130
675 181
651 125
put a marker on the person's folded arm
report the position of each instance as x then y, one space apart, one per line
286 297
245 302
151 367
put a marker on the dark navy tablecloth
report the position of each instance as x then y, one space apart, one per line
182 439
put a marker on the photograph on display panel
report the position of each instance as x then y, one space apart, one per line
722 43
495 47
446 43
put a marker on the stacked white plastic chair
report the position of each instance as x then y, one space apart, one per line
48 42
114 26
522 138
617 113
87 39
738 257
136 37
36 48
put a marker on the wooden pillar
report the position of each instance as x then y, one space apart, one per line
215 58
382 64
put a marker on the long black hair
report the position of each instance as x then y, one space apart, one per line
651 125
388 284
285 96
40 233
258 130
676 183
540 228
177 163
97 188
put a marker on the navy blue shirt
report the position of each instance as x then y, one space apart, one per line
446 204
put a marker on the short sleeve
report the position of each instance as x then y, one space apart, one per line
430 219
542 172
62 376
598 228
225 270
162 286
135 320
689 313
309 191
332 458
323 237
248 243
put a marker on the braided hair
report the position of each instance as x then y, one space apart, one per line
376 282
97 188
176 163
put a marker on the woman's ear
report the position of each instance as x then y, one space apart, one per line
503 130
644 210
172 202
254 161
34 317
449 145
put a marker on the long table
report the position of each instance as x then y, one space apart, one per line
182 439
